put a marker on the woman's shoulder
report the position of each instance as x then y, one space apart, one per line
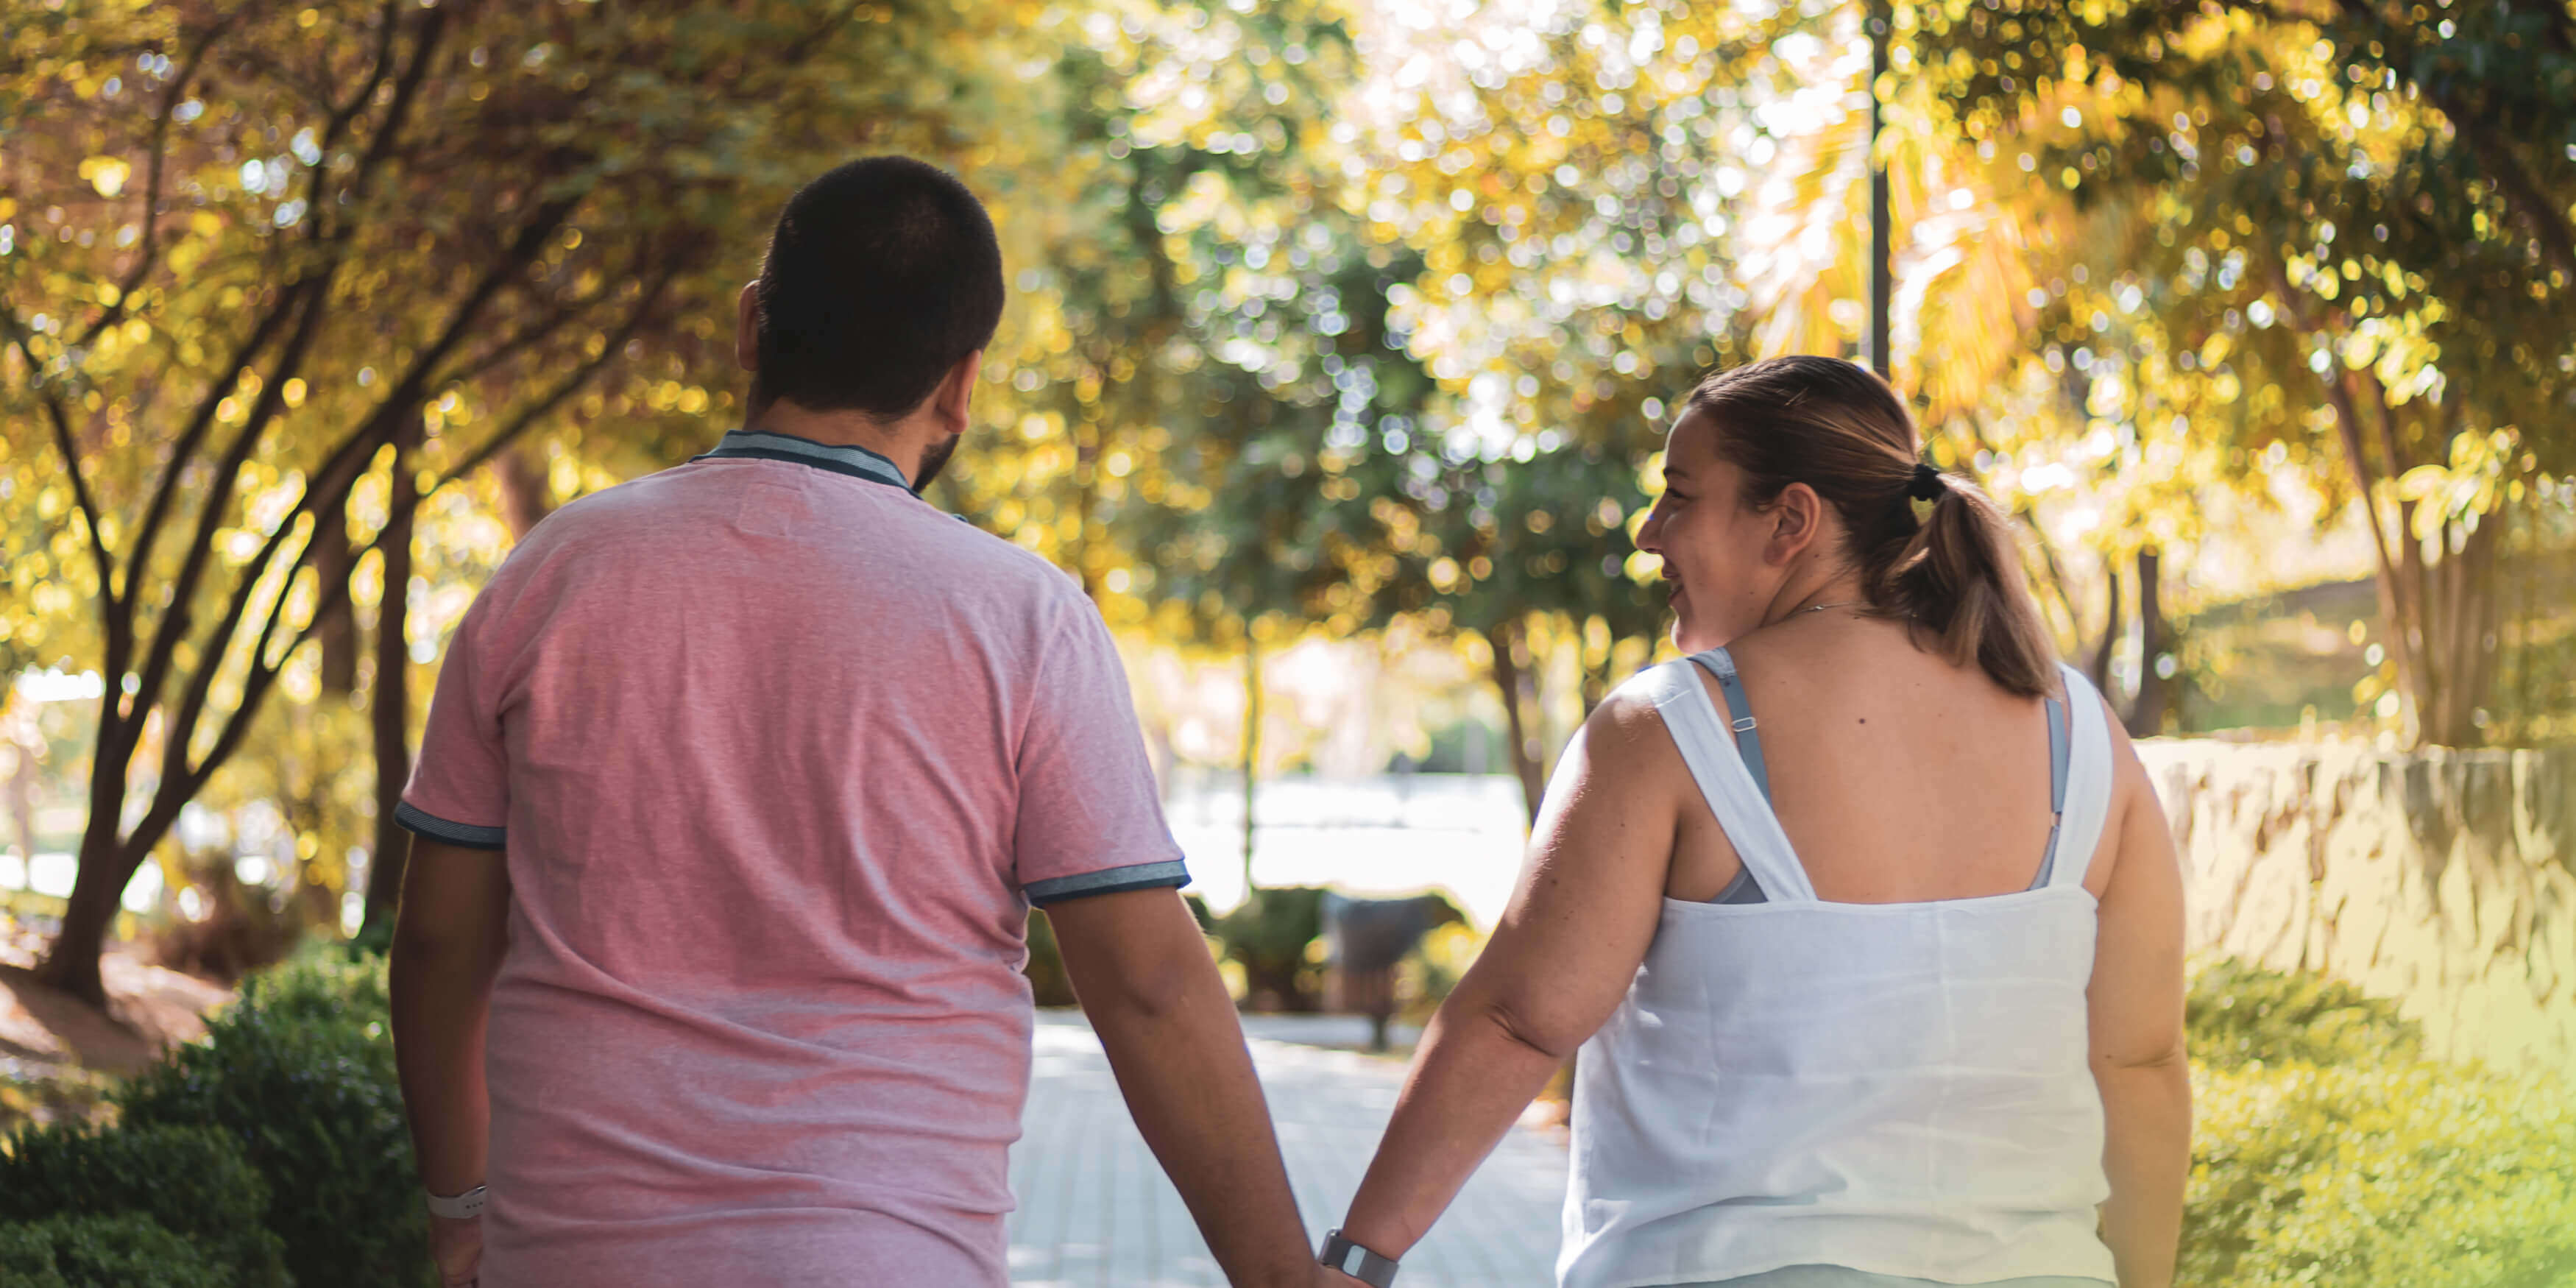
1629 721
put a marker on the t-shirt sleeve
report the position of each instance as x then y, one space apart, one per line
460 785
1090 819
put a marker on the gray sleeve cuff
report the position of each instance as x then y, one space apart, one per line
423 823
1135 876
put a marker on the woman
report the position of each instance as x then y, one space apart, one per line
1865 917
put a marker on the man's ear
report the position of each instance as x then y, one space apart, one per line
952 401
1797 518
746 327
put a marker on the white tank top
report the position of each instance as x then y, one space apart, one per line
1898 1088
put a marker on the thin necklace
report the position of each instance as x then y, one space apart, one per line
1818 608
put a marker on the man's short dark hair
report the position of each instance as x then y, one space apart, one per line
881 276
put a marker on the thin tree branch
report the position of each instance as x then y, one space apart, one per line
333 480
563 389
518 342
179 614
200 423
805 46
64 441
324 226
406 392
148 254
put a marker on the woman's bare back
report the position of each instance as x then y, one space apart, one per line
1898 777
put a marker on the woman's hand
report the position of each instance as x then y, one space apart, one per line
457 1249
1327 1277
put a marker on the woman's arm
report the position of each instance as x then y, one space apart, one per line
1589 899
2136 1001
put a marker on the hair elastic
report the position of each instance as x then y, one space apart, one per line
1927 484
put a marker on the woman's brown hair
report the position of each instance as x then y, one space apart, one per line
1839 429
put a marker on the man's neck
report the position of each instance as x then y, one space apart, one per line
841 429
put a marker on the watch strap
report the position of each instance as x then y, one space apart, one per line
1357 1262
458 1207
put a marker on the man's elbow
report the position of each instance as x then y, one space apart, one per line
1147 983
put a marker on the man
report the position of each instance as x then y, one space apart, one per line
737 785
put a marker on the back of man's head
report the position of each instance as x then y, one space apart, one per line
882 276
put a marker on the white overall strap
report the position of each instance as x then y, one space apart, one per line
2088 782
1711 756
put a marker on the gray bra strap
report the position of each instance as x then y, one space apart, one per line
2057 753
1739 715
1748 744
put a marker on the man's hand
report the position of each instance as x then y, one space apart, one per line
457 1249
1153 994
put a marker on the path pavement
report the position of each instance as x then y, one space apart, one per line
1096 1212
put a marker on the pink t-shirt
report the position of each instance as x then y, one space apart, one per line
779 756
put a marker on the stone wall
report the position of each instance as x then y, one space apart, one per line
2445 880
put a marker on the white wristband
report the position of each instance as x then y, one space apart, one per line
458 1207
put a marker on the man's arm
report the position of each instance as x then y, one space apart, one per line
448 938
1153 994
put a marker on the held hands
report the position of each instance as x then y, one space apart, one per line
457 1249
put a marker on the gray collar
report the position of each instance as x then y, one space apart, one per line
839 458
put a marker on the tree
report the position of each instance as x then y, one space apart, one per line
292 237
2352 250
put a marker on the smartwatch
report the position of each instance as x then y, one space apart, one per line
1357 1262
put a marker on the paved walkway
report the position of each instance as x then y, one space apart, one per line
1095 1210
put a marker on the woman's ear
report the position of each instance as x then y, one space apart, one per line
1797 519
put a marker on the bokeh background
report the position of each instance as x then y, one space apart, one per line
1342 339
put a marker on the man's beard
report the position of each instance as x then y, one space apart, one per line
933 460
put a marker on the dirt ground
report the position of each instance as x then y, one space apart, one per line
43 1032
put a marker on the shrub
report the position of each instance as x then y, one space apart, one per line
300 1074
1272 936
2410 1172
41 1091
190 1181
1049 985
2239 1013
1434 970
127 1251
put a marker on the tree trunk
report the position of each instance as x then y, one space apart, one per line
1511 669
337 631
2155 692
2456 666
71 964
525 497
2100 670
390 712
1251 746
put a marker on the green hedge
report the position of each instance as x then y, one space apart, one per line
2239 1013
300 1074
1271 936
127 1251
2328 1151
191 1182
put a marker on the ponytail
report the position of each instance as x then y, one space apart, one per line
1960 579
1955 573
